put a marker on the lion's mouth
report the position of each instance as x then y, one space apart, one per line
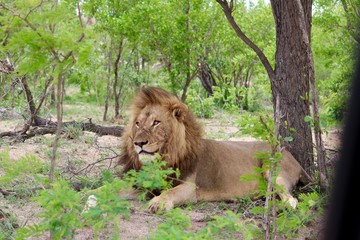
145 156
148 150
143 152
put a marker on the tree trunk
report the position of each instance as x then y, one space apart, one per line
205 77
53 95
292 74
188 77
116 80
108 88
59 108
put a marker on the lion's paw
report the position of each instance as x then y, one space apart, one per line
158 204
293 202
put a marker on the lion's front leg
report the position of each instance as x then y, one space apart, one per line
181 194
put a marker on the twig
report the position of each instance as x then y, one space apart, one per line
6 192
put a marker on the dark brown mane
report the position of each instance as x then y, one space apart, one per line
185 161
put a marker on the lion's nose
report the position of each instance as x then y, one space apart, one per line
141 143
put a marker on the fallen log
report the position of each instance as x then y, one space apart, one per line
41 126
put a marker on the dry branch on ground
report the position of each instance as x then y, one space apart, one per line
41 126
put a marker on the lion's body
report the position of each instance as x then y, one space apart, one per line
210 170
221 164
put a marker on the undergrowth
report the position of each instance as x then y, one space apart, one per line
62 208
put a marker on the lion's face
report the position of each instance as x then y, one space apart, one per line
159 129
150 131
160 124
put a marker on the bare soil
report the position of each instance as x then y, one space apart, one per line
78 153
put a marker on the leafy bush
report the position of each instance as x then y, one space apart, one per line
8 225
109 206
62 207
290 221
176 225
22 174
63 210
231 226
201 105
153 176
228 98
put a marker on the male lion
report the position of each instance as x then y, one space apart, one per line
209 170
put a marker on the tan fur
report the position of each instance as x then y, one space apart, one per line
210 170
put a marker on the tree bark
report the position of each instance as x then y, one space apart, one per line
292 74
205 77
320 149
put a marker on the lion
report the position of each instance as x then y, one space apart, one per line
210 170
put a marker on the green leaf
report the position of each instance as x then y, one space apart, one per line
308 119
288 139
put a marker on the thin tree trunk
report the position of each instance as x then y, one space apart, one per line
53 95
116 79
28 94
268 220
188 77
108 88
31 103
12 91
59 112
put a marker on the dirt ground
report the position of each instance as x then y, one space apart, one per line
88 149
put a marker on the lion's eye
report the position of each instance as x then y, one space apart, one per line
156 122
137 124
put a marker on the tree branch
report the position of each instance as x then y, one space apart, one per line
228 9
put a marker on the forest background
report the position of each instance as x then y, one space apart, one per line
97 52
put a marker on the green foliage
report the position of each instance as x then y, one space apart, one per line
290 221
153 176
228 226
62 207
176 225
335 59
63 210
250 124
109 206
22 174
8 225
201 105
227 97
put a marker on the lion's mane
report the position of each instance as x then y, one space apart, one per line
183 141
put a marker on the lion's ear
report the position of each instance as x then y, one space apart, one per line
179 111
